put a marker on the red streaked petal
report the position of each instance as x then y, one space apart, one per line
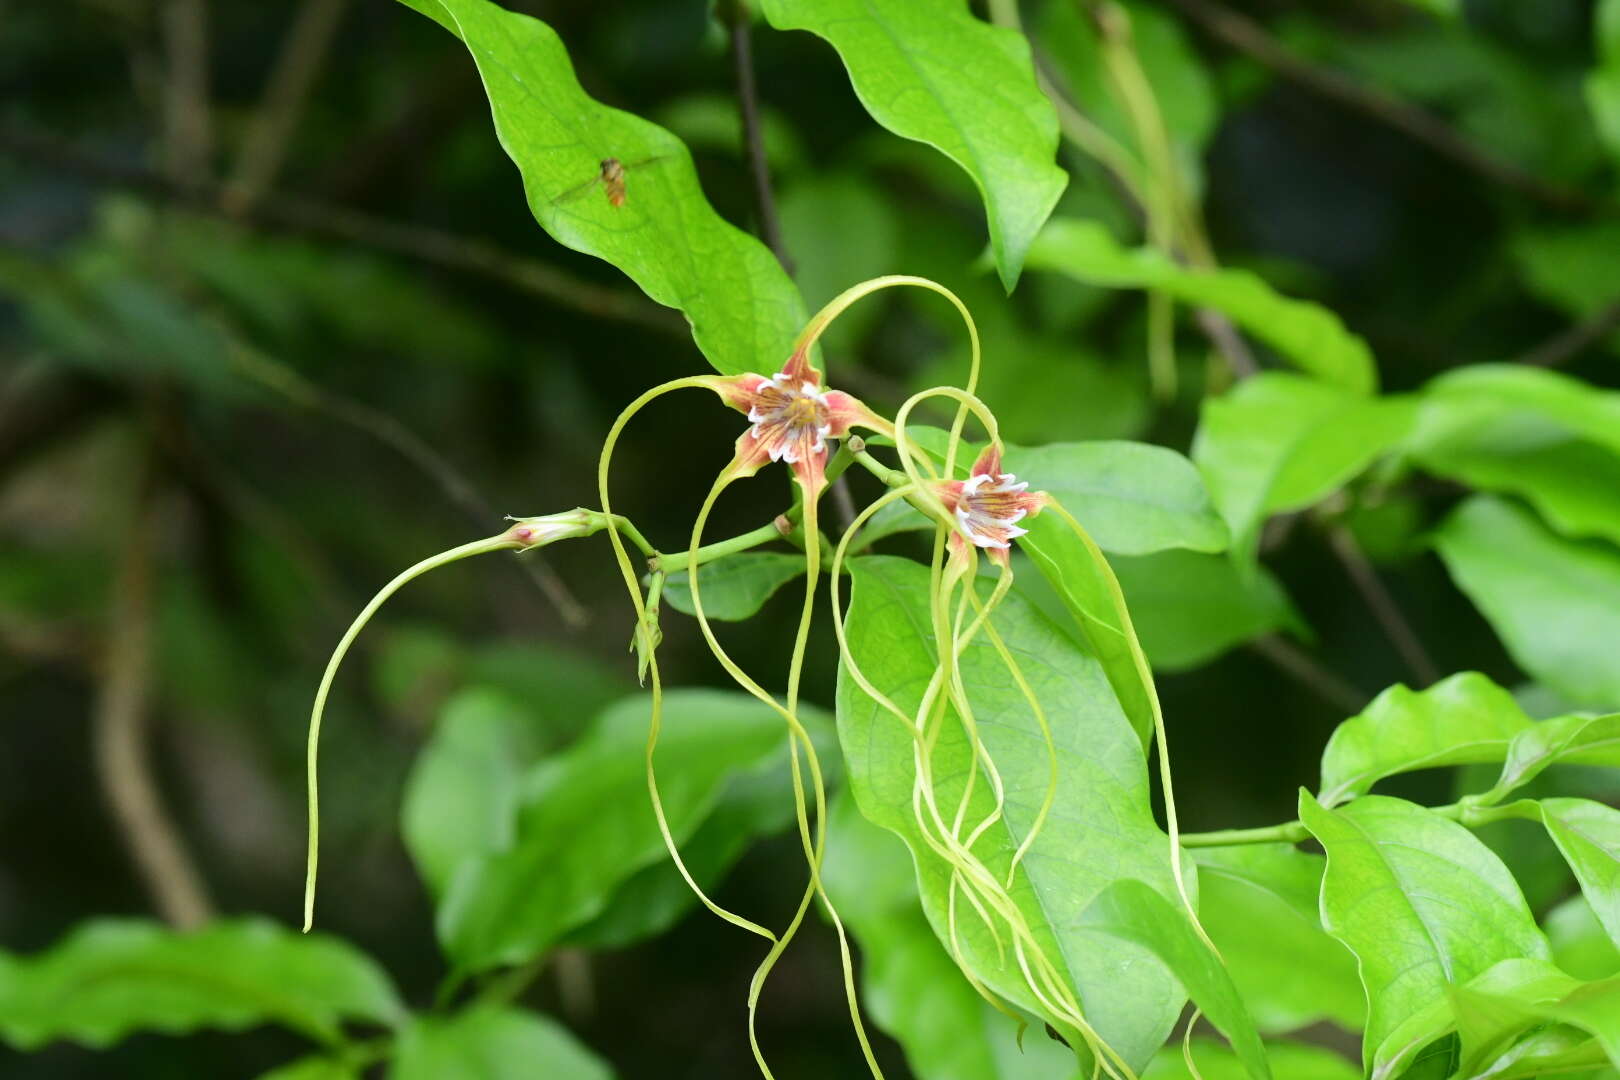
989 463
798 369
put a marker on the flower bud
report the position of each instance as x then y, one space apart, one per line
534 532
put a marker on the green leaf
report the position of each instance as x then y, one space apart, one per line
313 1068
1551 439
1259 904
1215 1061
1190 608
1580 945
1420 902
737 586
1282 442
1134 911
1603 84
585 824
1307 335
1133 498
1579 740
1555 603
1588 835
1460 720
490 1043
755 803
1085 583
927 70
1100 829
838 229
909 984
743 309
1572 267
463 792
113 977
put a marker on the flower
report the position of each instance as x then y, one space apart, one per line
988 506
792 418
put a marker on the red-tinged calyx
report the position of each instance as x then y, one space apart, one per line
792 418
989 504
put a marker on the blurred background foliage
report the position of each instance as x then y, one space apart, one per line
259 348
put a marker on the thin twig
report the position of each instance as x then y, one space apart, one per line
187 140
742 55
1252 39
1383 605
1564 347
1310 673
297 66
389 431
120 727
283 213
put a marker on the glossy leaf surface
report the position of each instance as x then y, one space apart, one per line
666 237
1460 720
1100 829
1554 602
928 70
114 977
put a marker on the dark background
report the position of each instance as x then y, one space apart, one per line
271 520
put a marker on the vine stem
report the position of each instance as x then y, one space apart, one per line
1469 812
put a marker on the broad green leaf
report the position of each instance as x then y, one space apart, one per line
313 1068
1076 571
113 977
1460 720
1134 911
1579 739
929 71
1259 904
1588 835
736 587
1133 498
1580 945
909 984
1483 1026
1307 335
1101 827
462 795
1215 1061
743 308
755 803
1555 603
1558 1051
585 823
1420 902
1283 442
1189 608
1488 395
1574 484
493 1043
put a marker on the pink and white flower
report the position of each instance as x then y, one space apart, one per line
988 506
792 418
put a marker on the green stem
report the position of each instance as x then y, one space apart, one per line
1465 812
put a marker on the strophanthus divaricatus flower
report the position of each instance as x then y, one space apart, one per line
792 418
533 532
988 506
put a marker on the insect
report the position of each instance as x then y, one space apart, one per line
611 177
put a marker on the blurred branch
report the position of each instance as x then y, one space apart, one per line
1249 37
1383 605
1310 673
389 431
288 214
297 66
1562 348
120 726
187 139
738 18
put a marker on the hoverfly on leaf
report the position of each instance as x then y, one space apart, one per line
611 175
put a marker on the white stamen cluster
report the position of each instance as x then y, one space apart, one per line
989 510
781 412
